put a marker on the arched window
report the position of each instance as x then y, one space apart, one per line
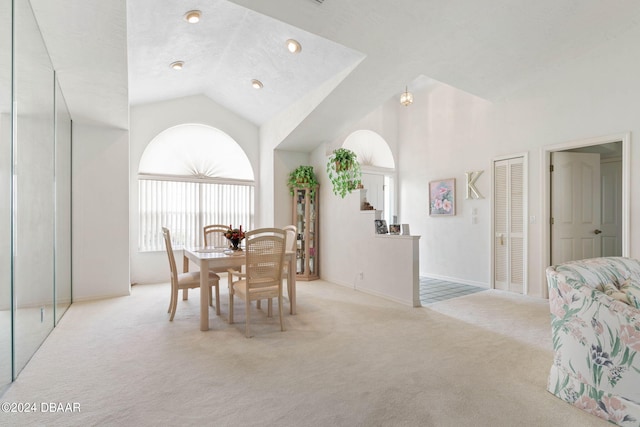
189 176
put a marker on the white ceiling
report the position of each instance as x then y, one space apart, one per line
230 46
87 43
487 48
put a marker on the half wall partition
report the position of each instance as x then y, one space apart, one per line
35 186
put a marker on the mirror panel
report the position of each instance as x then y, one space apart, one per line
63 206
33 191
5 194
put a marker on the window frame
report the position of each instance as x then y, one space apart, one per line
198 196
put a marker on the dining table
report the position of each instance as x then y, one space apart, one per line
211 257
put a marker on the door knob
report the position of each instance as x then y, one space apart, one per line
598 231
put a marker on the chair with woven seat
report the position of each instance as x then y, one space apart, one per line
291 234
262 279
214 235
189 280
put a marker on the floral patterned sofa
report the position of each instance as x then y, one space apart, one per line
596 336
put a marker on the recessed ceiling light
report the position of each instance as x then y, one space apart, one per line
294 46
193 16
177 65
257 84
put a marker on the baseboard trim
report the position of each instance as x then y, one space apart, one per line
374 293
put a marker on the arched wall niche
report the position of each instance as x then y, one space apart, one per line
378 171
371 149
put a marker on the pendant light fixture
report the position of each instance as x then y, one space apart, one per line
406 98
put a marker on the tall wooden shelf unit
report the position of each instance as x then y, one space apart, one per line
305 218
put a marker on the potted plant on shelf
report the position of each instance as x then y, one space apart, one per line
344 171
302 177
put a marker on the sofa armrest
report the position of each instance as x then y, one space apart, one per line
595 337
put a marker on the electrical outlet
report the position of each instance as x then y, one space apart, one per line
361 275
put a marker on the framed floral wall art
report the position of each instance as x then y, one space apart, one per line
442 197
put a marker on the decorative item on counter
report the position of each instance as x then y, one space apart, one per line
381 226
344 171
366 206
235 236
394 228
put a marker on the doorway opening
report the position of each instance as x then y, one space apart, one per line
586 167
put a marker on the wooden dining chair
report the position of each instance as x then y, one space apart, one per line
214 235
189 280
262 278
290 246
291 233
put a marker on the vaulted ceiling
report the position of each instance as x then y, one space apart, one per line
228 48
356 54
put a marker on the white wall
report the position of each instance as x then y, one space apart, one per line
284 163
447 132
588 97
100 212
444 134
276 163
352 255
350 252
149 120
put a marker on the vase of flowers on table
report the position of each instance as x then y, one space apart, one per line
235 236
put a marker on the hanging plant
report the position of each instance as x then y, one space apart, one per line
302 177
344 171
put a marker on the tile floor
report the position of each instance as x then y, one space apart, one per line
434 290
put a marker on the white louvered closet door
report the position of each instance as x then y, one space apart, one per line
509 224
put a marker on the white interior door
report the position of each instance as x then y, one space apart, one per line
611 207
575 206
509 224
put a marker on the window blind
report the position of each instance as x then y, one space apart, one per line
186 207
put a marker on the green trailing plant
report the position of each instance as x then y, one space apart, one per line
344 171
302 177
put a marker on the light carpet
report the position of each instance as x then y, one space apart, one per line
346 359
